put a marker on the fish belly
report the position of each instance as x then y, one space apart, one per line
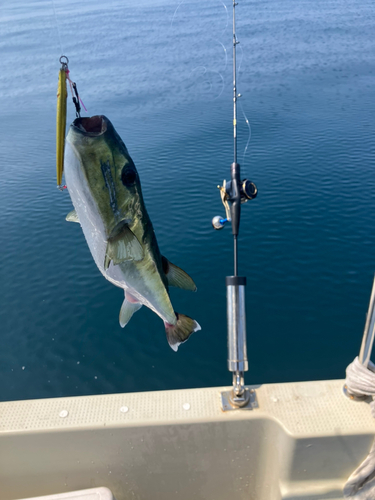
85 206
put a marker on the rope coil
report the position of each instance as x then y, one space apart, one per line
360 383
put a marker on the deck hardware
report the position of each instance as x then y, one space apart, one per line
239 397
248 400
124 409
186 406
367 342
63 413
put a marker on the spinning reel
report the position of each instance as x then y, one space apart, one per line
230 191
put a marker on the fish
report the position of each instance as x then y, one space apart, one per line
105 190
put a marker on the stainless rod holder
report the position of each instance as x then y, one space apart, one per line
239 396
369 331
236 315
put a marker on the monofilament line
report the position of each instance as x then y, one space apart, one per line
57 26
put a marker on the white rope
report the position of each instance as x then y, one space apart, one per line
360 381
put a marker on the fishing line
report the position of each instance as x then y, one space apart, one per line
242 110
57 26
226 62
225 52
209 81
206 71
73 87
175 12
240 63
183 1
75 95
226 11
218 72
249 129
222 87
203 71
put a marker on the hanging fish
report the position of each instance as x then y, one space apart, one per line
62 94
104 186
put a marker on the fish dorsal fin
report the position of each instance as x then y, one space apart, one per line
176 276
122 245
72 217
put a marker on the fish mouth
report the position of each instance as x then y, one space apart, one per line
92 126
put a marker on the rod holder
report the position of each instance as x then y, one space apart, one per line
239 396
236 317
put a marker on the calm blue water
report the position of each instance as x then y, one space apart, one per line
161 72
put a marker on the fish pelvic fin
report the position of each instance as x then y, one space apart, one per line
127 310
122 245
72 217
179 333
176 276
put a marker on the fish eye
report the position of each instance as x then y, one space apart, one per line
128 176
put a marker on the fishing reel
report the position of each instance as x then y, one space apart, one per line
235 192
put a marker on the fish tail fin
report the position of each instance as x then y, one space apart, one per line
127 310
181 331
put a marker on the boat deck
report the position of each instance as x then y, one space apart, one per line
302 443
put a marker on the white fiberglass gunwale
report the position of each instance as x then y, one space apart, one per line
302 442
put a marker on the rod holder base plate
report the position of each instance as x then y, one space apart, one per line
229 402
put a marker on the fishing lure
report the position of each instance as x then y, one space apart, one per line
62 94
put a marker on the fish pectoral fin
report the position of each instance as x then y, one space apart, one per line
127 310
181 331
176 276
72 217
123 246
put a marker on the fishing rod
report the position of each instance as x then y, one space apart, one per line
233 193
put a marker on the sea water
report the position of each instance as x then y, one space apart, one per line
161 71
